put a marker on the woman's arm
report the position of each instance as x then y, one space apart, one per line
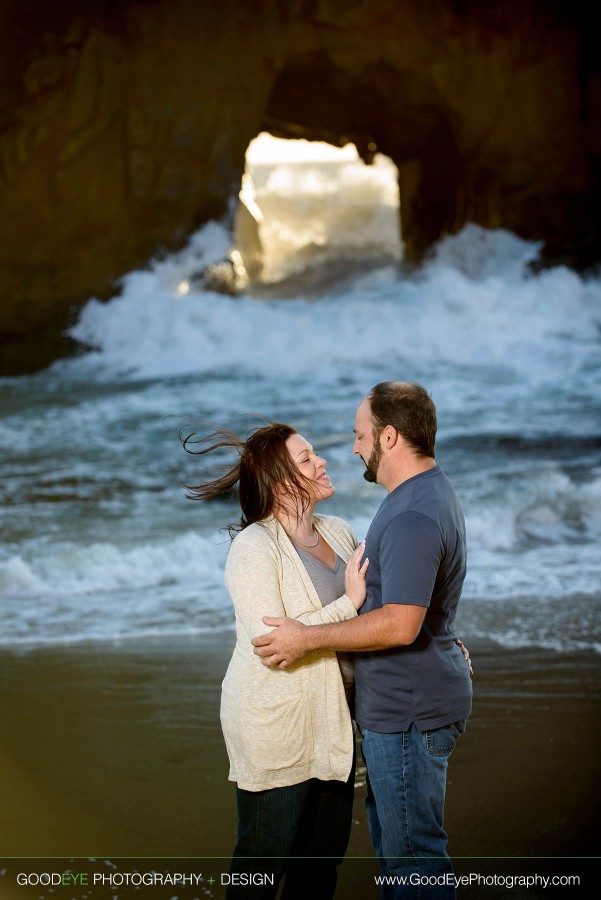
355 593
337 611
251 577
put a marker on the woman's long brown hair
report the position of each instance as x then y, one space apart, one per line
264 464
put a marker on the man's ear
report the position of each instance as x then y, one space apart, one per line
391 436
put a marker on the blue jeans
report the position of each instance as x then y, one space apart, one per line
300 832
406 786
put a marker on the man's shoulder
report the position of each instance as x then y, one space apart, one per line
413 524
427 494
412 509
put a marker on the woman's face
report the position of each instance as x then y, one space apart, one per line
311 466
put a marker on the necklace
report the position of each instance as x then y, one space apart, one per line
302 543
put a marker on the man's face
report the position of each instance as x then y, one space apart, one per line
365 446
372 465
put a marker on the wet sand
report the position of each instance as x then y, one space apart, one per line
112 757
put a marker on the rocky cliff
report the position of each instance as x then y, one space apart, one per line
124 124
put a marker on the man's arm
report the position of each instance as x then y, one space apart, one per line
393 625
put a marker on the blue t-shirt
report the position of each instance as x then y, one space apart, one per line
417 556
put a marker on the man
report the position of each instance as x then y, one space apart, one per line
413 688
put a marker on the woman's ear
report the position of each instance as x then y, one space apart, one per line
281 492
281 488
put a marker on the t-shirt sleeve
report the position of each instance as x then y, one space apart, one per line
410 555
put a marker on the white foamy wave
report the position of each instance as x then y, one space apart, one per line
522 324
557 508
549 507
317 212
540 572
102 567
17 577
483 253
209 244
539 538
101 592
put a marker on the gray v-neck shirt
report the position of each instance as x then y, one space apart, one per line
329 584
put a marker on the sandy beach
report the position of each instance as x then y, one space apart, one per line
112 760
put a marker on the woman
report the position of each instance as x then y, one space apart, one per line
288 733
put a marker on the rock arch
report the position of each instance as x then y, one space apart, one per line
123 126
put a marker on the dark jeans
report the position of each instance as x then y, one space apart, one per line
311 821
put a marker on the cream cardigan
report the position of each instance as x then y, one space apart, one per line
283 726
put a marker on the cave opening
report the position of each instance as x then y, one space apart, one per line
310 214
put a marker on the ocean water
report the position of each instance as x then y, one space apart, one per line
99 542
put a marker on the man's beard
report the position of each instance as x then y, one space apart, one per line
373 464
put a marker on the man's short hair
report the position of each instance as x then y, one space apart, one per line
407 407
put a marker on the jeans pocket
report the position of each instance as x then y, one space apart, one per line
442 741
